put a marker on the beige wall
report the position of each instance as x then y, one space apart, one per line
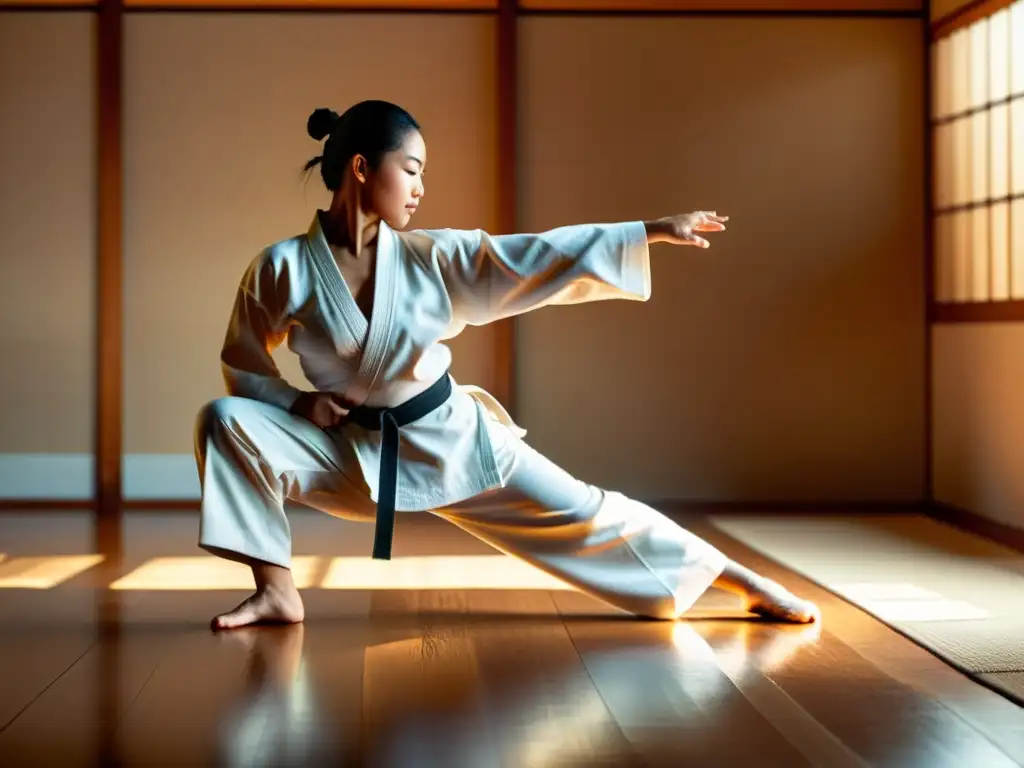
47 252
978 419
790 357
216 109
787 362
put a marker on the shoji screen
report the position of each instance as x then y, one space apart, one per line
978 129
216 108
47 251
978 289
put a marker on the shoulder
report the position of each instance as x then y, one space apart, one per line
278 256
441 246
276 259
272 272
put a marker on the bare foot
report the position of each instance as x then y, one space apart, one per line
774 601
270 605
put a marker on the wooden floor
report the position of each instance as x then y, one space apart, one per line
114 667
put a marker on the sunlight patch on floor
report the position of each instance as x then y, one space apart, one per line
438 572
901 601
44 572
206 572
350 573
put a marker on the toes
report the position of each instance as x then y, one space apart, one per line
232 620
805 612
787 608
244 614
814 614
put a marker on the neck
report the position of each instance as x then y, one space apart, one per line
347 225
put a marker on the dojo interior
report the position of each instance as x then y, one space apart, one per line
831 394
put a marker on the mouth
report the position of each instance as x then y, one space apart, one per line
411 207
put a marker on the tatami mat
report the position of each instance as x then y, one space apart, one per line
958 595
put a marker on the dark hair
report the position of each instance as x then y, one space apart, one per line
369 128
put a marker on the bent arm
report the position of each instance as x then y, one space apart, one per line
257 327
490 277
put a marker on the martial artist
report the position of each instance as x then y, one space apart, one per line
367 306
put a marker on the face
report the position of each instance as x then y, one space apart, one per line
393 190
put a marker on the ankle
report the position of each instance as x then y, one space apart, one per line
741 580
273 579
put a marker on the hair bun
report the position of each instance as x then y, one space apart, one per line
321 122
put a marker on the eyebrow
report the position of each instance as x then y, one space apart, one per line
416 159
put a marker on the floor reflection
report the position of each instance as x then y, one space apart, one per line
276 719
104 670
478 695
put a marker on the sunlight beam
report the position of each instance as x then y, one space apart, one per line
438 572
348 573
43 572
205 572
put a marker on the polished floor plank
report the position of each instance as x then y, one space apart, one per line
516 677
86 703
419 685
275 695
671 698
46 627
492 680
850 696
45 633
192 687
545 708
33 660
186 712
994 717
968 719
48 532
859 703
749 653
677 700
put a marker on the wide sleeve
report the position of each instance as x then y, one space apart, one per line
490 277
258 325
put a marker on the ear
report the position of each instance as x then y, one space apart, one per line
359 168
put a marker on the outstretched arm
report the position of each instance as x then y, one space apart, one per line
492 277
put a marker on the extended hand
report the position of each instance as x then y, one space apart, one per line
321 408
681 228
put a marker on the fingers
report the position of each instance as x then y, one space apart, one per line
709 221
701 221
327 413
709 226
335 412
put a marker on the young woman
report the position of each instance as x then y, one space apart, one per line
366 308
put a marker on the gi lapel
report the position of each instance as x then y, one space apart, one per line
373 336
382 319
327 268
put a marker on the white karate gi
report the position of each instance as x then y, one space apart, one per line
466 461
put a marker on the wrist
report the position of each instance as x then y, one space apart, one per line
657 230
299 403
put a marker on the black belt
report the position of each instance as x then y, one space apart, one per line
388 421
